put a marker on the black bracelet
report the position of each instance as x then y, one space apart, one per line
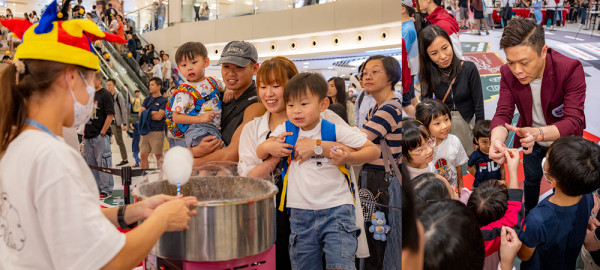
121 218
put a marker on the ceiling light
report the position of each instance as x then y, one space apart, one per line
306 63
329 67
305 67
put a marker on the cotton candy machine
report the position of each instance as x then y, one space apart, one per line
235 218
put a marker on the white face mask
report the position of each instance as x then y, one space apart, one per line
82 112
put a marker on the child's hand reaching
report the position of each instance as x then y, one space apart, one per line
509 246
206 117
512 159
596 204
339 154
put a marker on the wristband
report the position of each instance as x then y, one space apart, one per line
541 134
121 218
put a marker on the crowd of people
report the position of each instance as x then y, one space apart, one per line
447 225
236 118
477 15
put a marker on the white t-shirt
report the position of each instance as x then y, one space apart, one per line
157 71
255 132
414 172
50 215
167 65
318 183
114 25
184 103
447 156
537 112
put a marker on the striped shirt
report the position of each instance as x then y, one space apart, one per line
385 121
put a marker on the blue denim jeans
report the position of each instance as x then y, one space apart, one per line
330 231
393 248
532 167
196 132
135 143
97 152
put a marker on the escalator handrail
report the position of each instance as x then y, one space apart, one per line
134 75
120 83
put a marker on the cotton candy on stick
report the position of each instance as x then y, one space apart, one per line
177 165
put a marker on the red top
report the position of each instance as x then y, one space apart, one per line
406 78
513 217
443 19
120 30
562 96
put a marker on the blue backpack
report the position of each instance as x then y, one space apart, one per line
327 134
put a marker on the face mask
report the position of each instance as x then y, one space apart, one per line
82 112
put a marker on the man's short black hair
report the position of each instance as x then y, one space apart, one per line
189 50
488 202
304 83
453 241
521 31
574 162
391 67
428 188
482 129
112 80
156 80
137 91
109 4
6 57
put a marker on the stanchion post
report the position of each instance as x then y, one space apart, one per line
126 179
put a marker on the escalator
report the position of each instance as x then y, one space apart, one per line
127 73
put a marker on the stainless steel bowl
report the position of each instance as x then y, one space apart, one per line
236 218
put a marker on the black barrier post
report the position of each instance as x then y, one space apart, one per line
126 180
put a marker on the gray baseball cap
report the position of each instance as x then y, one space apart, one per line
239 53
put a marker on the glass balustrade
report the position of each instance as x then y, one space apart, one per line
146 18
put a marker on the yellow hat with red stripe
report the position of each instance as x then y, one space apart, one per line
59 41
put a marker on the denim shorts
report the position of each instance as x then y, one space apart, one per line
330 231
197 132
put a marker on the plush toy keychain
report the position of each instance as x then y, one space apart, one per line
378 227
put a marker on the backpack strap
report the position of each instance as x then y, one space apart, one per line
291 140
328 131
328 134
187 89
205 98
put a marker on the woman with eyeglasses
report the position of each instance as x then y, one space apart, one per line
455 82
417 148
383 127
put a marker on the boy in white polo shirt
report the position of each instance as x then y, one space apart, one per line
319 195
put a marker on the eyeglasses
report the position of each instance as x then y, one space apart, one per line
421 151
373 73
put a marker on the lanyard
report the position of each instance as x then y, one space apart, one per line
33 123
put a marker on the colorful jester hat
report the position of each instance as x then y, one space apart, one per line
60 41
